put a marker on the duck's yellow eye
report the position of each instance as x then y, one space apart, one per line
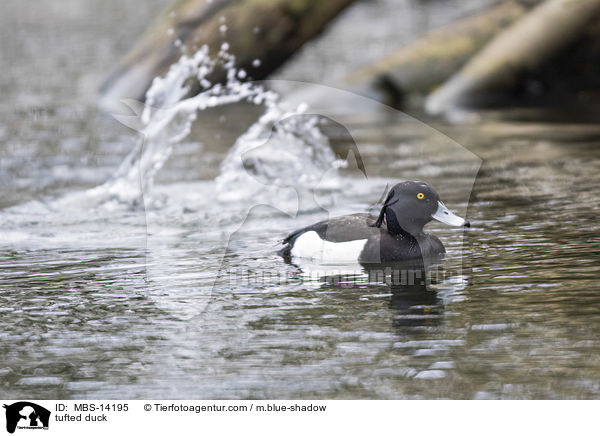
420 196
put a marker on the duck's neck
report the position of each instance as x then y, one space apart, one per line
394 227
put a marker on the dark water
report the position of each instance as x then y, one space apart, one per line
520 320
124 304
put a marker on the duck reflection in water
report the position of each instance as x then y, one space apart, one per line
413 299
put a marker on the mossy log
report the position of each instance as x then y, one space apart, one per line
419 67
262 34
519 50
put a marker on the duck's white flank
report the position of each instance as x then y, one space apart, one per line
309 245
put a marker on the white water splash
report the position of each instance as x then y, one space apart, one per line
285 147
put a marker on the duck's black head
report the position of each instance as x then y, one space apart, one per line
410 205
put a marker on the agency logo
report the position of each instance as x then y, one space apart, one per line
26 415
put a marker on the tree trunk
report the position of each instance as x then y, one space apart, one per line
262 34
424 64
519 50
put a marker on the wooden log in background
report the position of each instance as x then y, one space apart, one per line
272 30
269 31
520 49
418 67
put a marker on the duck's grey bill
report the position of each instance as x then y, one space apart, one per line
443 215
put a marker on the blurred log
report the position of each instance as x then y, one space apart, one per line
269 31
519 50
424 64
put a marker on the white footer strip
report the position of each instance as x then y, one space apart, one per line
291 417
